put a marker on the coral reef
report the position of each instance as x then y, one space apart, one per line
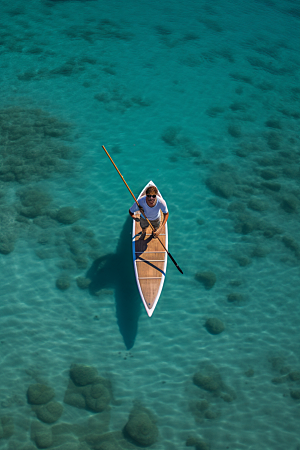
6 244
235 297
8 229
209 394
50 412
6 427
41 435
295 394
207 382
82 282
31 145
257 205
32 148
208 279
198 443
242 260
40 397
209 379
287 375
91 434
234 130
268 174
290 203
214 325
214 111
34 202
220 185
39 394
116 99
211 24
245 224
83 375
241 77
141 428
184 146
63 282
272 186
68 215
87 390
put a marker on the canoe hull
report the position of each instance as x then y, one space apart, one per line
150 261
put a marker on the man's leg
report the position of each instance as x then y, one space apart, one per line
156 225
144 226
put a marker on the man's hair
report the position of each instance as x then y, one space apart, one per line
152 190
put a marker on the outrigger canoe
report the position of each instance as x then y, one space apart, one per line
149 260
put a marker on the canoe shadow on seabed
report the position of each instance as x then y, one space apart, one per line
115 270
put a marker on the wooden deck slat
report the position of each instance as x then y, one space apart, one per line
150 244
150 234
138 253
150 289
149 278
149 260
149 256
149 269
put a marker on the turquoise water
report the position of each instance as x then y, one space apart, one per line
202 98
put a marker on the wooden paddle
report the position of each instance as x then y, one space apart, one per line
169 254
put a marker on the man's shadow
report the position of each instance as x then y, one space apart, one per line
115 271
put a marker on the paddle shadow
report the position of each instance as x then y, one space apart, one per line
115 271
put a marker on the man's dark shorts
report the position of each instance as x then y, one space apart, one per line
154 223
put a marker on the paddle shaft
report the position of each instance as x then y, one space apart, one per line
169 254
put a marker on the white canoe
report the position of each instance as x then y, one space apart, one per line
149 260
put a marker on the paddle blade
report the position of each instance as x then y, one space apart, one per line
175 263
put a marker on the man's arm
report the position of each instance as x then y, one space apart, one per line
157 232
137 219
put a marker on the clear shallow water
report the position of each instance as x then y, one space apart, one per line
204 100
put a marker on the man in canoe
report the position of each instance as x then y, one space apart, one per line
150 206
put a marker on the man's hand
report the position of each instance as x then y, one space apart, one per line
137 219
156 232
